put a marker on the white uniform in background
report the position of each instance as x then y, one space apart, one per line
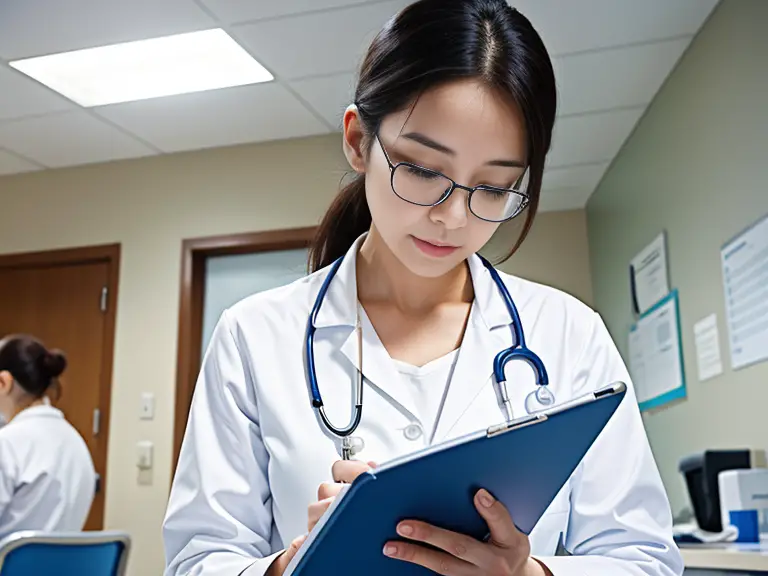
254 453
47 479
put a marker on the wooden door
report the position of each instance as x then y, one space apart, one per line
65 305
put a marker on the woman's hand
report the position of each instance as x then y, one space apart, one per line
344 472
507 553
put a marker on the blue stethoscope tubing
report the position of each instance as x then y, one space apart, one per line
518 351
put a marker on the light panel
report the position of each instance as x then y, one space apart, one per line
167 66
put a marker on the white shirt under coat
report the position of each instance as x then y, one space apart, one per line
254 454
47 479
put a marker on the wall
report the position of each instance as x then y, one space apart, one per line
695 167
149 206
556 252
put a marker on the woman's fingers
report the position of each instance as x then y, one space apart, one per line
347 470
328 490
316 511
281 562
504 533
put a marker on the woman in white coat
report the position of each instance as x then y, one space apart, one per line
47 479
452 121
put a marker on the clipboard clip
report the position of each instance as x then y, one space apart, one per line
515 424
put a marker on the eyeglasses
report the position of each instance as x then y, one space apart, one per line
424 187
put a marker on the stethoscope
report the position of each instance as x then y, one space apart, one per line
540 397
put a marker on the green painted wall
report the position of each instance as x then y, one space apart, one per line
697 167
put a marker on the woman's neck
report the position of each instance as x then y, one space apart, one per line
382 278
21 406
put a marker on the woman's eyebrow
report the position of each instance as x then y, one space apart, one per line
424 140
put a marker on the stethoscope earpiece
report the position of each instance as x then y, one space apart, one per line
539 399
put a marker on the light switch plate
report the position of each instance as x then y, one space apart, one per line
147 409
144 455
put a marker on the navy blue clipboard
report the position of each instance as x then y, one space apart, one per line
524 464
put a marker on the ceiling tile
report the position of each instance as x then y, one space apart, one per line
330 42
12 164
619 77
217 118
564 199
37 27
233 11
21 96
591 138
328 95
585 176
68 139
592 24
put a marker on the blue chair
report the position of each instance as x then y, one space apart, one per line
64 554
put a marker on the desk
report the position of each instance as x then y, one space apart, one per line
725 559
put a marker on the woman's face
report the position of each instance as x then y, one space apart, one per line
462 130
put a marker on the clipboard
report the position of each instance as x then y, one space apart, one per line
523 463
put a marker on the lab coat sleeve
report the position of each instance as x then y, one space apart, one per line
7 473
620 521
219 518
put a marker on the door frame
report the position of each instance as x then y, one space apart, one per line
194 256
106 253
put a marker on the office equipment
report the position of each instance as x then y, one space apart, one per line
64 554
523 463
744 501
656 354
745 281
542 397
701 478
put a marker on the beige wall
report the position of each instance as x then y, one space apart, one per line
694 167
149 206
556 253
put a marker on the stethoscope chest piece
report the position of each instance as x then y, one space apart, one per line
351 446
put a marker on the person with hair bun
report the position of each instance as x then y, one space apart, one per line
47 477
448 134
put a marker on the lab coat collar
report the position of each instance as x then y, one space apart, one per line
339 307
39 411
480 344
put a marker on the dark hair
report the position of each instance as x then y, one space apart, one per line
35 368
429 43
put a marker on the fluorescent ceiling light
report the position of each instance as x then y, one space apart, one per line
166 66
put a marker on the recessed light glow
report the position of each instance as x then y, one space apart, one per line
167 66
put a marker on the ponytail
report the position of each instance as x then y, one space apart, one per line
345 221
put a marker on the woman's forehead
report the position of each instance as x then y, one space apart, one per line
463 116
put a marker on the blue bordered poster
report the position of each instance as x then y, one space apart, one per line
656 354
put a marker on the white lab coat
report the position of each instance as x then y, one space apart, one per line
254 453
47 479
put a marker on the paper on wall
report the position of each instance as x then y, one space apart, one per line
707 340
648 275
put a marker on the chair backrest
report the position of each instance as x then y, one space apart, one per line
64 553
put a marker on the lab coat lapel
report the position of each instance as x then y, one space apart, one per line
378 368
340 309
483 339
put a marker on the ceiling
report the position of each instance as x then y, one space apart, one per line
611 57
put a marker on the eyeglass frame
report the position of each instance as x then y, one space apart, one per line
470 189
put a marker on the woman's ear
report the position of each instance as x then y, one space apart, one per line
6 383
353 139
